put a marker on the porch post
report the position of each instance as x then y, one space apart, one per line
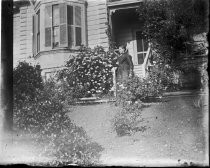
114 88
110 22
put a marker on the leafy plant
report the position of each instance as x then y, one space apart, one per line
27 81
90 71
170 24
46 119
140 89
127 120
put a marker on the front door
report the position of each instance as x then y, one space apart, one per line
141 47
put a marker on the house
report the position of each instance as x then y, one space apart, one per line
49 31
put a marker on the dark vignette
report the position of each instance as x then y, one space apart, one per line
7 63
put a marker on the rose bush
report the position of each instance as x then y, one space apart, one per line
90 71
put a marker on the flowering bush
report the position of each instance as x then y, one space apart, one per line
90 71
45 118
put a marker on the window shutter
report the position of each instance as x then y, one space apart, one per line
63 25
70 14
34 35
70 22
48 16
62 14
48 25
78 15
48 37
78 36
70 36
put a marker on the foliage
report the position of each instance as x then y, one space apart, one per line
27 81
169 24
45 118
127 120
140 88
89 72
130 97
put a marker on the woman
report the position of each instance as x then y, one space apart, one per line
125 65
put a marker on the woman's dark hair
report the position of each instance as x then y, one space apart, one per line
123 46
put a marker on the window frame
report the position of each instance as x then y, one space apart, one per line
38 32
73 27
136 47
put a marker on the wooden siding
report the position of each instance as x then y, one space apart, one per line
96 23
22 34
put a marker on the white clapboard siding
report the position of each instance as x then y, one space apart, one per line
16 36
96 23
22 34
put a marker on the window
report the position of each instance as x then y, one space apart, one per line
142 47
63 26
38 32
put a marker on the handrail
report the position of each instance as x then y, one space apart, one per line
145 64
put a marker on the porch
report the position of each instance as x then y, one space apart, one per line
126 29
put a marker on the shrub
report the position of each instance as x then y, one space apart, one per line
90 71
46 120
27 81
140 89
128 118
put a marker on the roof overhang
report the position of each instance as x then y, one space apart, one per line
122 4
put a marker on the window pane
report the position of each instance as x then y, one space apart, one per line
78 36
78 15
55 15
145 45
47 37
55 36
70 15
139 35
70 36
38 16
48 16
139 45
142 44
38 42
34 35
62 13
141 58
63 34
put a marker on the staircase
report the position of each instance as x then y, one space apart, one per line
141 70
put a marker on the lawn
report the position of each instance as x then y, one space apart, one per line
176 130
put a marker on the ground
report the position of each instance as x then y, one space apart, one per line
177 129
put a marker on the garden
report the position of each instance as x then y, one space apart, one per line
41 108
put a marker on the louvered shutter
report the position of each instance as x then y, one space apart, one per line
70 23
78 15
48 26
34 35
63 25
78 35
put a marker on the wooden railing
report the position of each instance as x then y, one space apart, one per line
145 64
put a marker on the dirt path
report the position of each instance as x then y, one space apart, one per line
177 133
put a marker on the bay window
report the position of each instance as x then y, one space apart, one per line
63 27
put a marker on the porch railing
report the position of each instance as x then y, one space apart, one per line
146 60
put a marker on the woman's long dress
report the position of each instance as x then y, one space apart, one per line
125 67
